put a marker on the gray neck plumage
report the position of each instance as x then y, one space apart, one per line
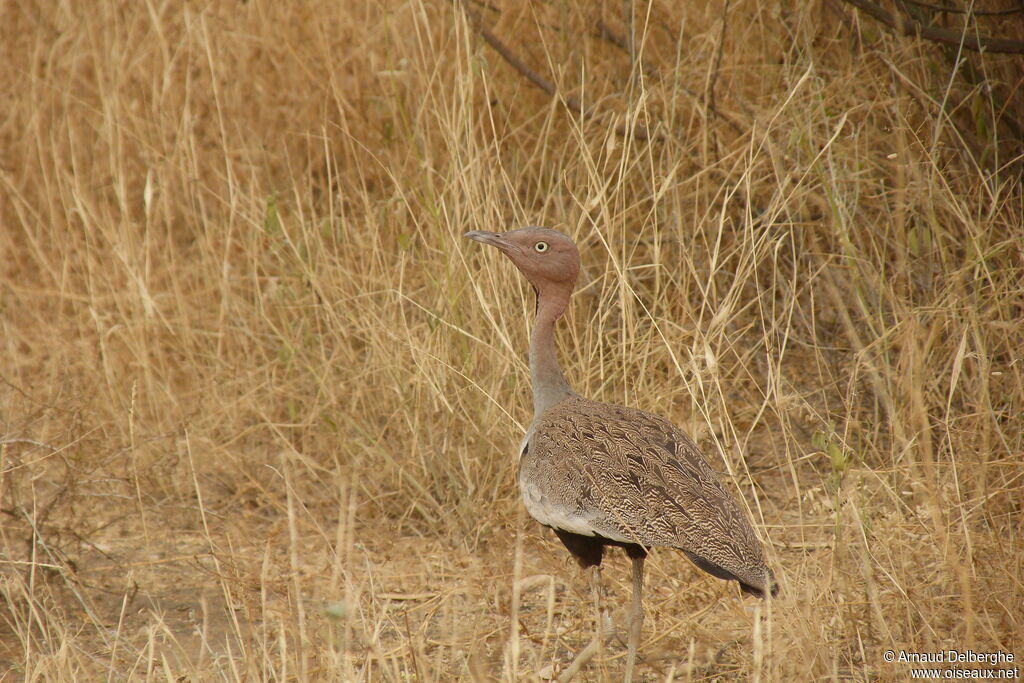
549 384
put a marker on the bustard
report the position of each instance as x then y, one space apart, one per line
606 475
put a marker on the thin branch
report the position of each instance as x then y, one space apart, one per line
652 71
713 81
638 131
629 14
973 12
32 442
531 75
911 27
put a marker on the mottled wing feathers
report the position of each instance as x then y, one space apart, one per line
594 468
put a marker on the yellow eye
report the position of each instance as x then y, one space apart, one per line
541 247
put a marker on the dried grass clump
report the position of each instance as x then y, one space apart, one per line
259 404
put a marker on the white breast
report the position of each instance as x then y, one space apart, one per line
558 516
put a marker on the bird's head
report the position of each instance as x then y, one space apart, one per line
548 258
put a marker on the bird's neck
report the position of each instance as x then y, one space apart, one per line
549 384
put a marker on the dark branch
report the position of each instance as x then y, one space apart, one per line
531 75
912 27
638 131
973 12
709 94
652 71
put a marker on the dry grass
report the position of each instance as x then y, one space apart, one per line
259 401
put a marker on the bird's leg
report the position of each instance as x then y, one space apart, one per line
597 644
636 617
596 589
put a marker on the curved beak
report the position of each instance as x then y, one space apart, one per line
494 239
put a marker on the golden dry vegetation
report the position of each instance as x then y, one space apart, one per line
259 401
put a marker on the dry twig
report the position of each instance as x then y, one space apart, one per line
713 80
912 27
615 39
639 131
973 12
